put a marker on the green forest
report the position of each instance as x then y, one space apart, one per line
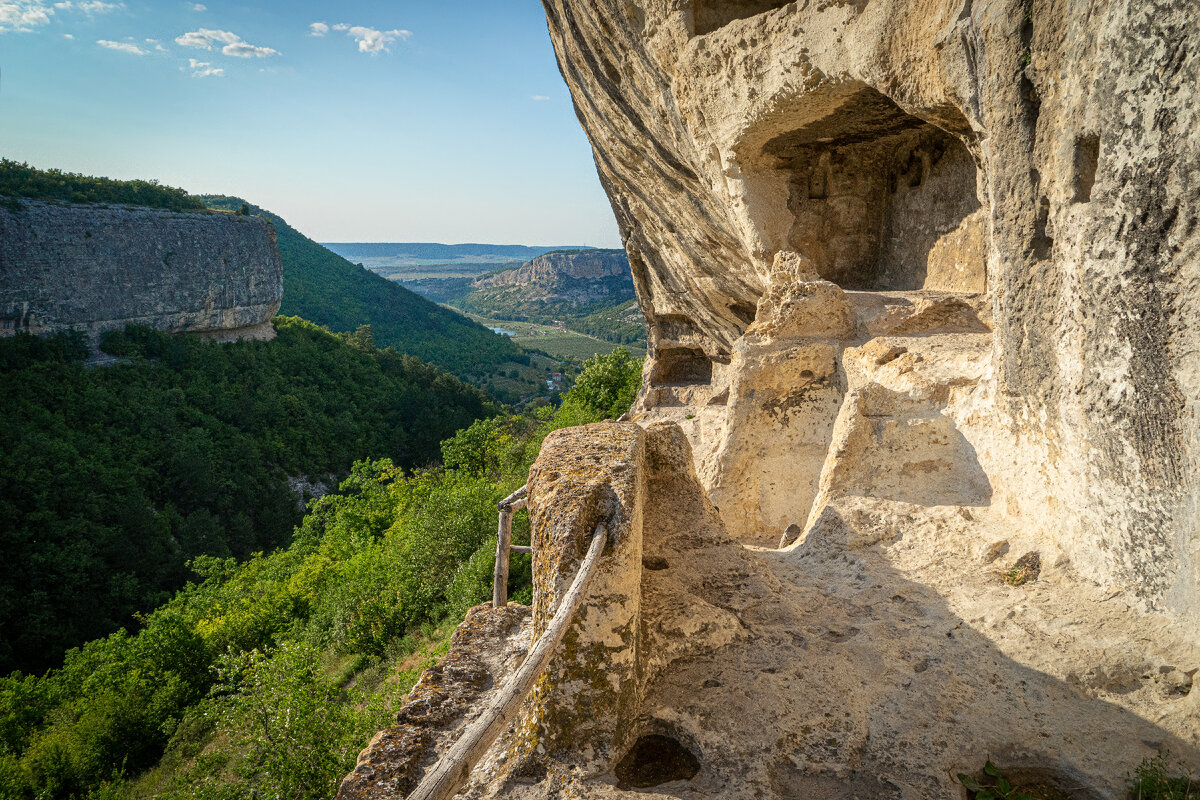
264 677
622 324
19 181
325 288
117 477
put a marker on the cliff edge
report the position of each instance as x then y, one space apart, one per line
94 268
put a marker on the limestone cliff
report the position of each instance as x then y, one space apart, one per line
1037 161
574 276
92 268
912 480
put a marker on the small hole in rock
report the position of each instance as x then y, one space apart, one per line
654 563
744 311
1087 159
654 760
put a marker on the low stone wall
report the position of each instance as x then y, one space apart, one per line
94 268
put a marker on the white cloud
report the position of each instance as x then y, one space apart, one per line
27 15
98 6
319 28
369 40
539 97
205 38
123 47
199 7
23 15
88 6
246 50
68 36
204 69
232 44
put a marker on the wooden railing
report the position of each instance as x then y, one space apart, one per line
454 768
504 547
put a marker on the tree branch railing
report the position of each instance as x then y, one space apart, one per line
454 768
504 547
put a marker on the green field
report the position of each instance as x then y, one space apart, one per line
558 342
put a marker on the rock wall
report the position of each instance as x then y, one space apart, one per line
94 268
549 270
877 659
1024 170
919 441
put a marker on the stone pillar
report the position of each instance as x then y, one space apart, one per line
584 476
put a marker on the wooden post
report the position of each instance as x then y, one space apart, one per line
500 576
506 507
454 768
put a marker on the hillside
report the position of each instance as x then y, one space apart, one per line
560 286
325 288
433 251
263 679
118 476
620 324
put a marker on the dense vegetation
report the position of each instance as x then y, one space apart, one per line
19 180
116 477
622 324
325 288
264 679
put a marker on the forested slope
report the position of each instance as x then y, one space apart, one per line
325 288
116 477
264 679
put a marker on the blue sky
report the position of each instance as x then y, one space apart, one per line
403 120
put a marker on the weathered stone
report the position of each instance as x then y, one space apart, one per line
486 647
94 268
923 286
1022 166
584 477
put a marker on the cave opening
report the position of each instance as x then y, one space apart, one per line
653 760
682 366
881 200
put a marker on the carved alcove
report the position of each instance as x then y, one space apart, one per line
881 200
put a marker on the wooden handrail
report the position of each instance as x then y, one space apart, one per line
454 768
514 502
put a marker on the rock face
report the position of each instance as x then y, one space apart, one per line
1028 167
920 451
95 268
568 275
894 647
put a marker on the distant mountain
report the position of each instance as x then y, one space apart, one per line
434 251
566 275
570 286
325 288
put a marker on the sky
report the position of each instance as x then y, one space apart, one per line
361 120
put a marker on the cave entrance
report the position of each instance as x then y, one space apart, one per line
881 200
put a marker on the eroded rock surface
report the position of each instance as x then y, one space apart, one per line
920 451
1023 169
95 268
486 647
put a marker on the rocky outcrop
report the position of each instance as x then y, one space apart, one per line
94 268
563 268
921 454
567 275
898 645
1037 158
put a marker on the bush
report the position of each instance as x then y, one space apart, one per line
1155 779
224 685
